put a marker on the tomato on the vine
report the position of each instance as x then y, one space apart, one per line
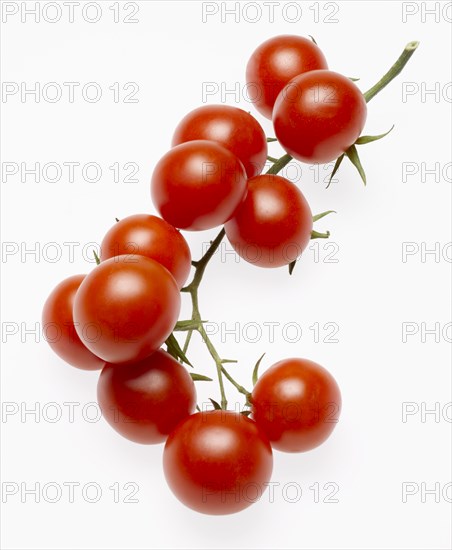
58 325
273 224
217 462
235 129
297 404
318 116
144 401
198 185
117 317
126 308
275 62
152 237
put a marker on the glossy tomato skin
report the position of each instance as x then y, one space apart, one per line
217 462
273 224
318 116
277 61
126 308
58 325
152 237
297 404
233 128
198 185
144 401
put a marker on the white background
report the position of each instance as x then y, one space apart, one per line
369 292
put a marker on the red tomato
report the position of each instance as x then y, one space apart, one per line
297 404
58 326
145 401
273 224
197 185
152 237
277 61
126 308
217 462
235 129
318 116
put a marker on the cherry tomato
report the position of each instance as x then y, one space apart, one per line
59 329
235 129
126 308
318 116
145 401
152 237
277 61
273 224
197 185
297 404
217 462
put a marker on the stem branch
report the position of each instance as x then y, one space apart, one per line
279 164
218 363
396 69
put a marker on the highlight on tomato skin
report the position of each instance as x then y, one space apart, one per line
126 308
59 329
318 115
198 185
217 462
297 403
275 62
146 400
149 236
273 224
233 128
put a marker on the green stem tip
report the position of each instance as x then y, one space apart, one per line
395 70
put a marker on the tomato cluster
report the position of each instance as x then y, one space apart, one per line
317 113
119 316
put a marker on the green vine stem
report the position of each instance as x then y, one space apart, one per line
192 289
396 69
279 164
